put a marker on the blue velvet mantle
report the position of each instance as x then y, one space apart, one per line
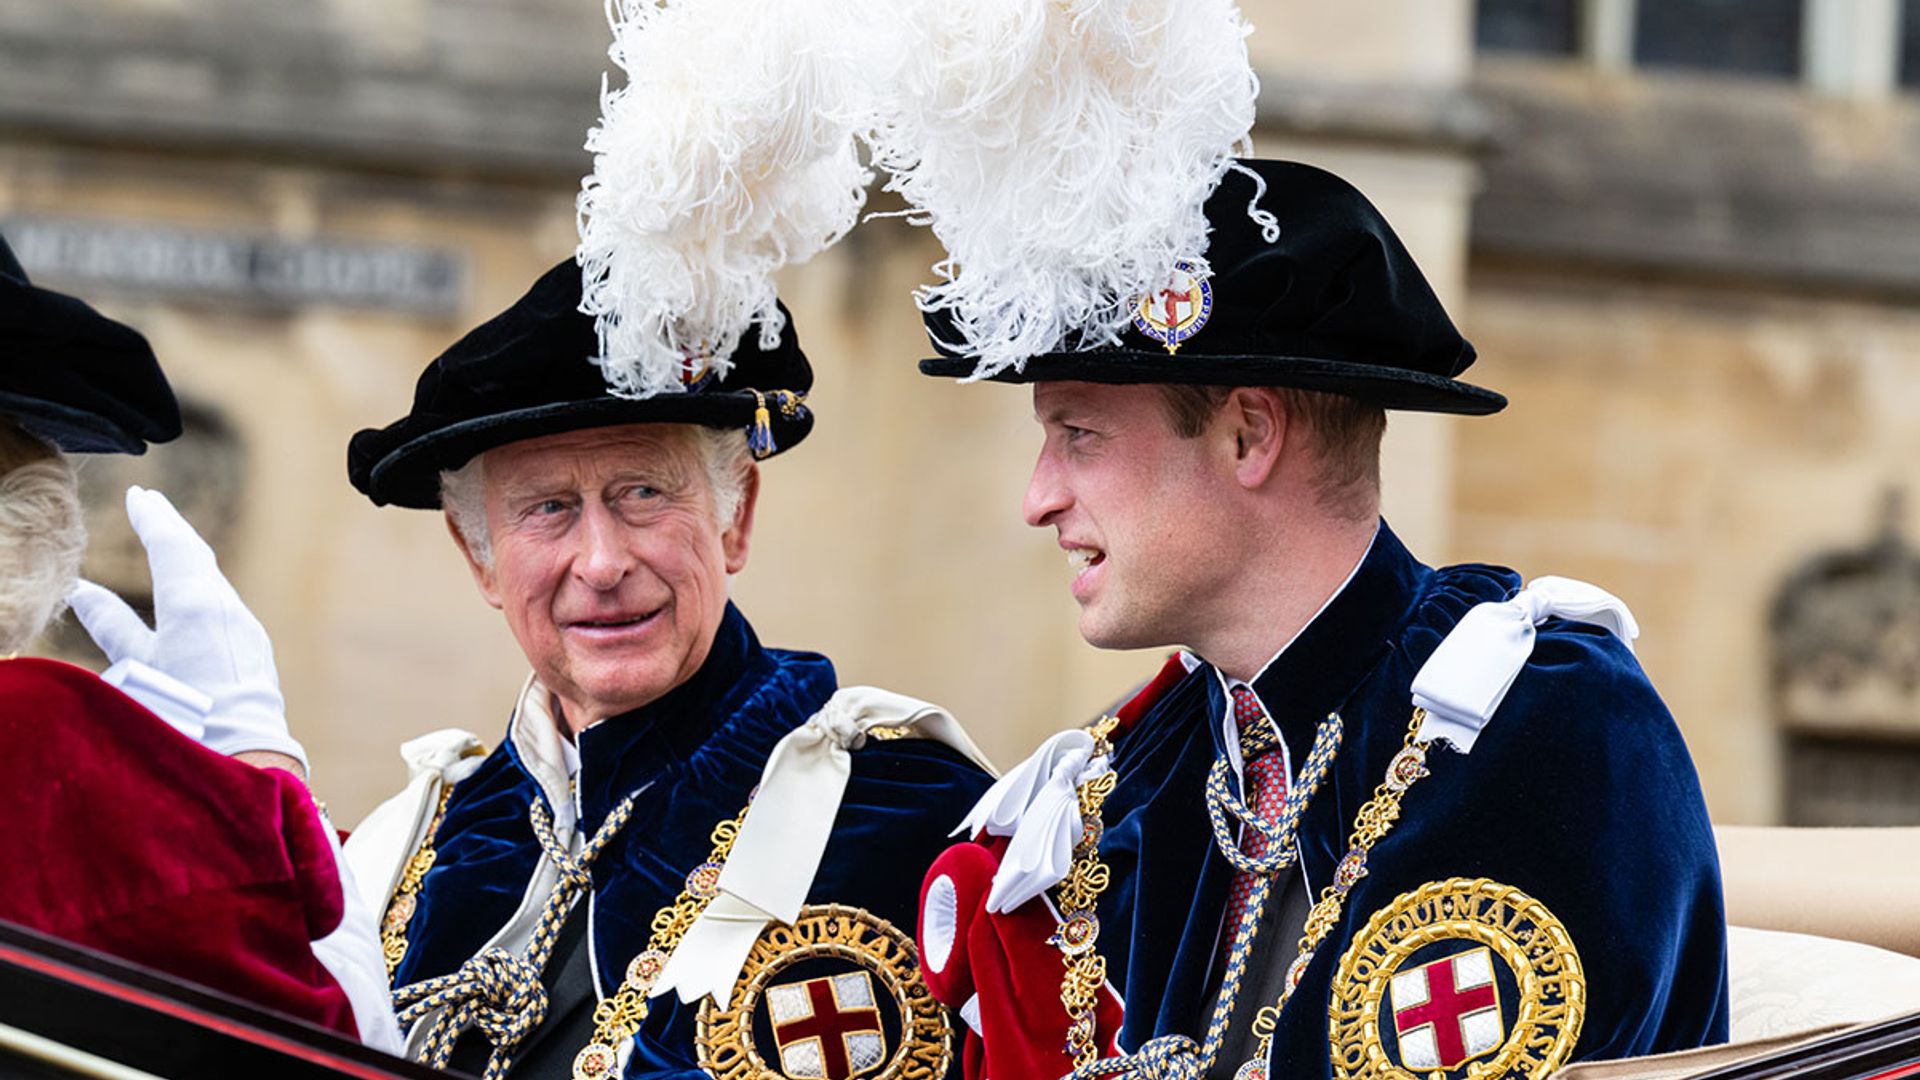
697 752
1580 792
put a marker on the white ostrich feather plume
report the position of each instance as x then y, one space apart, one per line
1062 151
729 152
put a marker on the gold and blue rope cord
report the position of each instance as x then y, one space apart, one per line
496 991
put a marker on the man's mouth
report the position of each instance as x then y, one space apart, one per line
613 622
1082 558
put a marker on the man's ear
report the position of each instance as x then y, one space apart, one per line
482 573
1257 422
738 536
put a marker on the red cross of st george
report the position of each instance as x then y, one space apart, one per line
1446 1006
1173 304
830 1025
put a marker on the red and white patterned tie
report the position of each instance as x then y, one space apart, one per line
1265 793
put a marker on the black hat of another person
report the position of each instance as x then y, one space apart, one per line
74 377
1334 303
529 372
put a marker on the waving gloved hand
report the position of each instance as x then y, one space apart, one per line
203 637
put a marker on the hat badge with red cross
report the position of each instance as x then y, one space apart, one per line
1178 309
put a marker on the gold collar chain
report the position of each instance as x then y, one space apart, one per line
617 1018
406 895
1076 899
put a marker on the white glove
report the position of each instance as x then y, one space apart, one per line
203 636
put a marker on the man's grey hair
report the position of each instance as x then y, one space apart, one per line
42 537
724 458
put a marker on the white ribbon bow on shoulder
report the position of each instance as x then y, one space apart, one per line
1037 804
772 865
1463 683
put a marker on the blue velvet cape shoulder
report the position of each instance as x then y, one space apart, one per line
694 755
1579 792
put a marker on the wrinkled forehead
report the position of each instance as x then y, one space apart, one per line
590 456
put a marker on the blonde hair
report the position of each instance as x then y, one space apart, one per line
42 536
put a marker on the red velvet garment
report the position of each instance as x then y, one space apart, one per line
123 835
1005 964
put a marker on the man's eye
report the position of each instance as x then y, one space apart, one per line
550 506
642 491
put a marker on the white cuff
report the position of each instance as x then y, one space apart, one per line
163 695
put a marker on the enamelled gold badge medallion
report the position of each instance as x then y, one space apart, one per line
1178 310
834 996
1463 978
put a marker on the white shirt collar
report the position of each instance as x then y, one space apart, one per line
551 760
570 753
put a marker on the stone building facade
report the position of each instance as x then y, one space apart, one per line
1698 290
1695 267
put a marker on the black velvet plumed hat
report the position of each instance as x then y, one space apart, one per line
74 377
1334 304
529 372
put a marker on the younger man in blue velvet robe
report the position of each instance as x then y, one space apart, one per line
545 902
1337 846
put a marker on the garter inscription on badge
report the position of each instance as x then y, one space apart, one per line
1458 978
1178 311
835 996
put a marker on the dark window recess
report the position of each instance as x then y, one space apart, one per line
1910 43
1744 37
1544 27
1837 780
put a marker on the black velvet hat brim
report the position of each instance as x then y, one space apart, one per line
409 474
75 431
1389 388
527 373
1329 301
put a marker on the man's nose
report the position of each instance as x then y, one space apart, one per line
603 559
1047 493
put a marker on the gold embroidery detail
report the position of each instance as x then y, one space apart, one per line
1076 899
1518 929
616 1018
406 895
725 1041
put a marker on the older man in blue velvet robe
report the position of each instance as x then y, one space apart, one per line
595 897
1382 820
